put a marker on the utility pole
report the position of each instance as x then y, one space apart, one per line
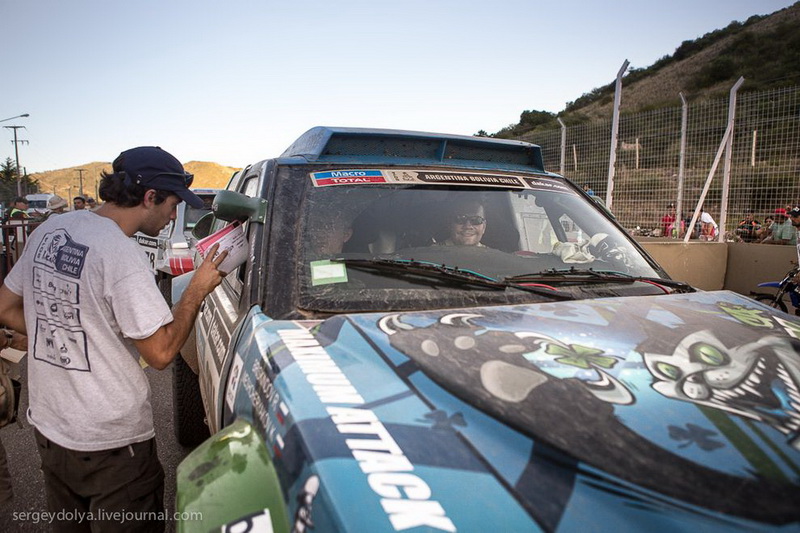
16 153
80 173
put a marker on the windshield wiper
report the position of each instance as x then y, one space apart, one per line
588 275
451 274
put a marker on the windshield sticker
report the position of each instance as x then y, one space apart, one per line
436 177
547 185
325 272
347 177
460 178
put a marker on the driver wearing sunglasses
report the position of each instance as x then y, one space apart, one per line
467 224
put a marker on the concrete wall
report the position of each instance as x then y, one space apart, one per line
735 266
700 264
750 264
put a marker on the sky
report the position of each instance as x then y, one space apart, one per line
236 81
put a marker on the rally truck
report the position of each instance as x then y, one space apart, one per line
432 333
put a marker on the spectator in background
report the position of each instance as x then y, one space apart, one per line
794 218
668 221
782 231
15 236
56 205
91 204
695 231
78 203
766 229
588 189
708 227
748 228
19 211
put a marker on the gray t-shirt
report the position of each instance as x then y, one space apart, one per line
87 292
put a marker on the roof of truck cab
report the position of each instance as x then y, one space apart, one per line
334 145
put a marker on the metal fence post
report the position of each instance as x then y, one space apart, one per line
682 162
612 160
563 145
726 172
711 173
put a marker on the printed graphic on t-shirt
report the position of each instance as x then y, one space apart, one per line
59 251
59 337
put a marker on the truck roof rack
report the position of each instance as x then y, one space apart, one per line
324 145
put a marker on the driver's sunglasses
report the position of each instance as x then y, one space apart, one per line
475 220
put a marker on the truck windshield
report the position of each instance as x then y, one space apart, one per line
494 233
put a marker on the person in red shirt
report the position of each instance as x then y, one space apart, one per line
668 221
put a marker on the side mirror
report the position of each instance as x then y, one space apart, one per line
202 227
230 206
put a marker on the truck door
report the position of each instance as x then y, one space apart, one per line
219 317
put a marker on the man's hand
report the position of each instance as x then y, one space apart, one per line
207 276
159 349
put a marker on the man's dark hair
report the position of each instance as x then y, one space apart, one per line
461 205
112 189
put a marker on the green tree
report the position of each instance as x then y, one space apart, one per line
8 182
8 170
537 119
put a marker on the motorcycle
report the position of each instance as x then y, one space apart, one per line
785 286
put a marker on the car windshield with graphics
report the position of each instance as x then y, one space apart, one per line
430 332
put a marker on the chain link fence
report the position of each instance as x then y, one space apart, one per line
764 160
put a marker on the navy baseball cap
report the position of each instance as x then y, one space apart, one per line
154 168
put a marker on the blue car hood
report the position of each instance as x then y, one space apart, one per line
617 408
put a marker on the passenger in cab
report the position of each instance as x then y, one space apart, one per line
329 233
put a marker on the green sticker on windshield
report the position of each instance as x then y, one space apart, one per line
325 272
